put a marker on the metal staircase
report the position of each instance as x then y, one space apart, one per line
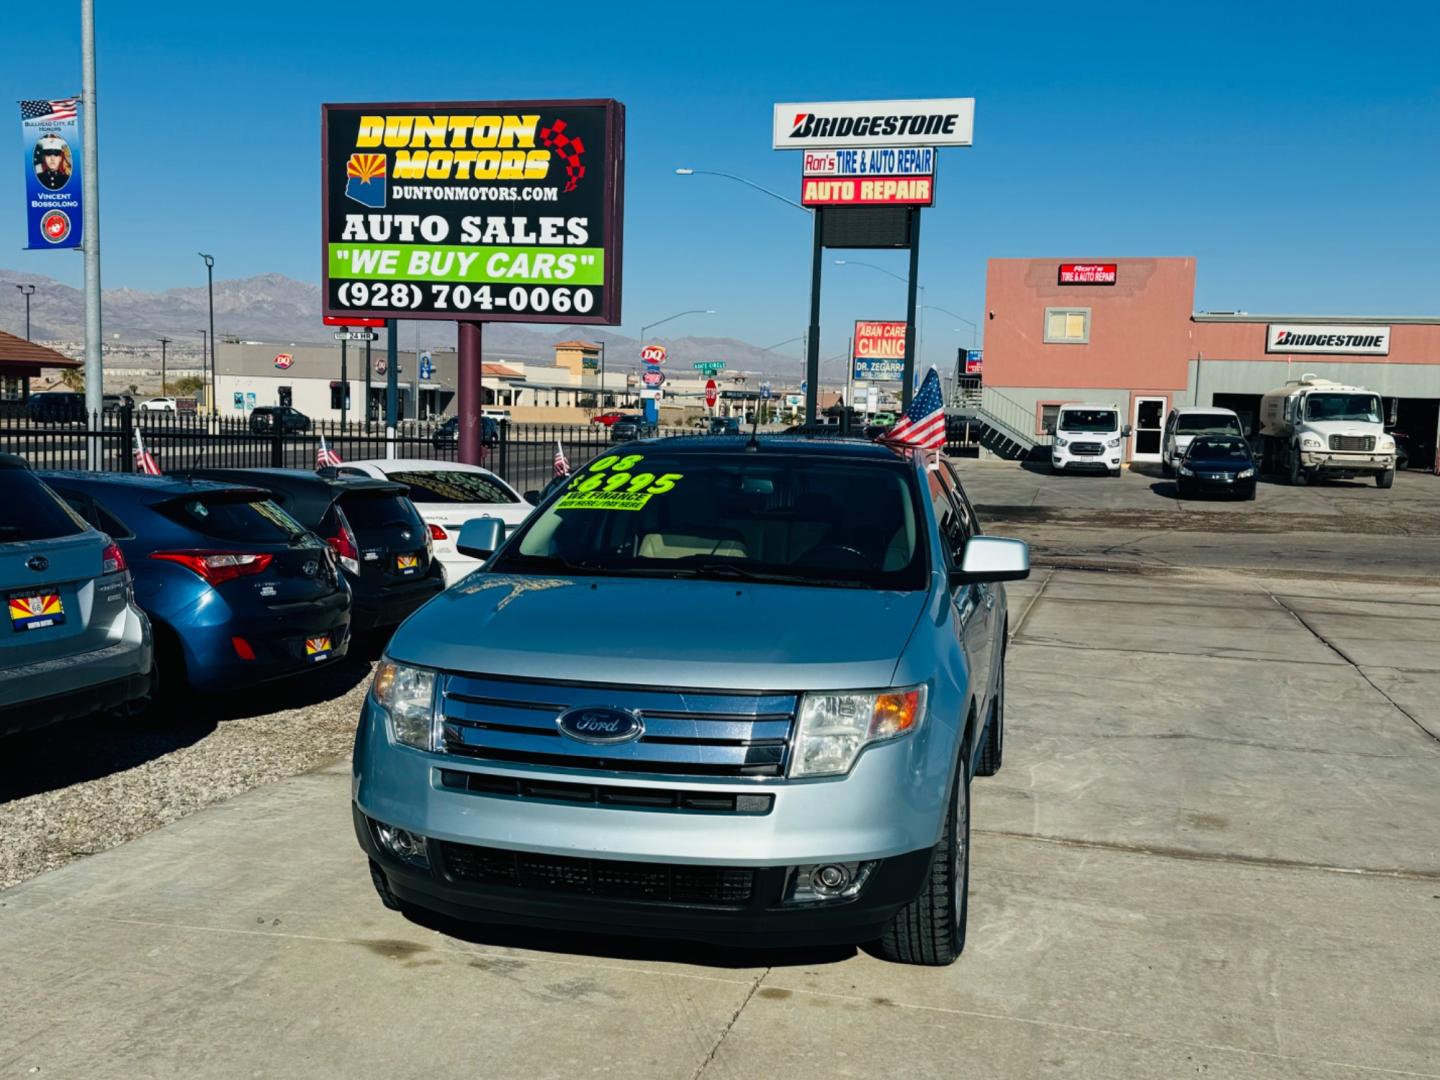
1006 427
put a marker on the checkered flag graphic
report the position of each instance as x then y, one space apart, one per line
569 150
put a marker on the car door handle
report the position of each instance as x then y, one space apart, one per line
989 600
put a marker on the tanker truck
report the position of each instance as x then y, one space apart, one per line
1313 428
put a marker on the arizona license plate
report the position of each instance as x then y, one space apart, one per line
36 612
318 648
407 564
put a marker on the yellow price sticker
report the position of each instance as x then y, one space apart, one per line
622 489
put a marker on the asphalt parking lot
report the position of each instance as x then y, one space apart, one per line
1211 851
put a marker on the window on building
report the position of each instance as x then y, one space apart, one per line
1048 413
1067 326
336 390
12 387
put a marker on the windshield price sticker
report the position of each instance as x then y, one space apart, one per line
623 488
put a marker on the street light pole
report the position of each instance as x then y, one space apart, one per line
27 291
747 183
164 341
90 233
210 284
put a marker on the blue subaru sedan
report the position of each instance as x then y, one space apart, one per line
237 591
774 747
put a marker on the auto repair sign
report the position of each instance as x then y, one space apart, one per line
495 210
1314 338
1088 273
832 124
891 176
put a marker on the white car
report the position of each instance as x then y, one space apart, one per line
448 494
158 404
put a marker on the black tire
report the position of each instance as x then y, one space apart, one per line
1298 476
1166 469
382 887
169 680
1115 474
930 930
1385 479
1250 495
992 752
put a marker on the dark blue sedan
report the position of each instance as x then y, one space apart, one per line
237 591
1217 465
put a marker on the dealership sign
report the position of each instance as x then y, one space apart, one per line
869 191
836 124
501 211
879 351
1088 273
1314 338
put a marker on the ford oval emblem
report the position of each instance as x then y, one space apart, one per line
601 725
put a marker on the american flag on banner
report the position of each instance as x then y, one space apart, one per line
325 458
562 463
144 461
923 424
64 109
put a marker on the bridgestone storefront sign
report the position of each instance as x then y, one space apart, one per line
836 124
501 211
1341 340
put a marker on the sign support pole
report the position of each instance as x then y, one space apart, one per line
392 384
344 382
907 384
469 394
90 185
812 338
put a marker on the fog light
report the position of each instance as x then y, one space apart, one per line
827 882
406 846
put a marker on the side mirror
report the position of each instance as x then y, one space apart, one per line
479 537
1126 432
992 558
533 498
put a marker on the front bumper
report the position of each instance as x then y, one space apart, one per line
569 900
1109 461
1335 462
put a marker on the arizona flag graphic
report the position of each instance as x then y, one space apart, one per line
35 612
365 179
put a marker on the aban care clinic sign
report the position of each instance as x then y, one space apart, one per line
879 351
1315 338
497 210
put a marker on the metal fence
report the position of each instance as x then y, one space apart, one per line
524 454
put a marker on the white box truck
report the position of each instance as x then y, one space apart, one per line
1313 428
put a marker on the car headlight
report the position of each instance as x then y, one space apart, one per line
1185 471
1113 444
406 695
1244 474
1061 442
834 728
1310 442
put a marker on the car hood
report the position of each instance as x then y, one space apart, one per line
662 632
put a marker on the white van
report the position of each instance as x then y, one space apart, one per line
1088 437
1182 425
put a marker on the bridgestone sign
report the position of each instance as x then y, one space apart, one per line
832 124
1342 340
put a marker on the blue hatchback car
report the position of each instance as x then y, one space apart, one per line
237 591
779 750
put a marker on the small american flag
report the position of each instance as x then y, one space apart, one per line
562 463
64 109
923 424
325 458
144 461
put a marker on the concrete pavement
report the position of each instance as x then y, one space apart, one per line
1212 851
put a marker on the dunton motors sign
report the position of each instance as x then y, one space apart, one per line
1317 338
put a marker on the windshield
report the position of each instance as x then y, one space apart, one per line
1207 424
1087 420
453 486
791 519
379 510
1364 408
235 517
1218 450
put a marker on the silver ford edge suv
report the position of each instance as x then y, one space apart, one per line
719 689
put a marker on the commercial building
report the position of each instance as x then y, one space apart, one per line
1126 331
21 361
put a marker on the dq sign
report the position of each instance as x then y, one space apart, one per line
653 354
284 360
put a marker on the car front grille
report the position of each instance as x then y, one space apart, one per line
687 732
715 885
1085 449
1364 443
623 798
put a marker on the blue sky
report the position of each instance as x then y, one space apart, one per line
1291 148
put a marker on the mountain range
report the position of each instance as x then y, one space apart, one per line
272 307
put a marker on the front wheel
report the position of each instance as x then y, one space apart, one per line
1385 479
1166 469
930 930
992 752
1298 475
